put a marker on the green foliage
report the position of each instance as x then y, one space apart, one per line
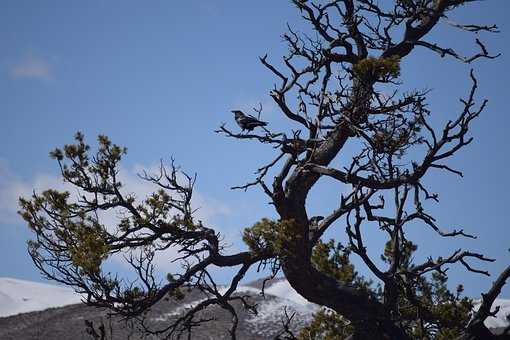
69 229
332 259
326 325
102 166
405 251
433 312
396 137
133 294
89 248
377 69
270 235
441 314
260 236
82 236
176 293
386 141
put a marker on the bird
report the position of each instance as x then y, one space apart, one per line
247 122
314 221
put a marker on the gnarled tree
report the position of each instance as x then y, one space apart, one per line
338 87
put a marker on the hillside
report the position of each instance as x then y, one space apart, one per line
66 320
19 296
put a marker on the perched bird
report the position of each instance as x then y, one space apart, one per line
247 122
314 221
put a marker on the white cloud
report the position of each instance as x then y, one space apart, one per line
12 187
32 67
207 208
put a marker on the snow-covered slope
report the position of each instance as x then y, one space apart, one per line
284 296
280 296
19 296
289 297
501 317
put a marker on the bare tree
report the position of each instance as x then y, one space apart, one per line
337 86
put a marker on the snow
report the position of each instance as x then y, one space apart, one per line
501 317
290 298
286 297
20 296
283 290
187 306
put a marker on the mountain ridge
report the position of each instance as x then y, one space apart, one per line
66 317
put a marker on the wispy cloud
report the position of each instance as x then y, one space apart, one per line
12 187
32 66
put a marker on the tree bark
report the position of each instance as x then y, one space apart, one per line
369 317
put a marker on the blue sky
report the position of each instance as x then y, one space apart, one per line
160 77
